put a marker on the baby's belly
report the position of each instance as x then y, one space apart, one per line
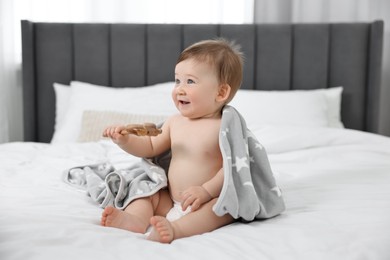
184 174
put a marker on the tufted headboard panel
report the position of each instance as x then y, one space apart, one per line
278 57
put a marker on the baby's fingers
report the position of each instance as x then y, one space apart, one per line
105 132
195 205
187 202
110 131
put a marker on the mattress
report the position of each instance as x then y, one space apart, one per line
335 183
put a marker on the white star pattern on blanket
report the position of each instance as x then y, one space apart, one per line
246 146
257 145
277 190
225 132
249 183
154 176
241 163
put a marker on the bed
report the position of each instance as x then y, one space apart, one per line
310 95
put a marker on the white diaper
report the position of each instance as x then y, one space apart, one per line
177 212
174 214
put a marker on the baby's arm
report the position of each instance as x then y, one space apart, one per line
141 146
196 196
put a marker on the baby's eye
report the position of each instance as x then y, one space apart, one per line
190 81
177 81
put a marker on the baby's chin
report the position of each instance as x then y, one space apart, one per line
205 116
190 115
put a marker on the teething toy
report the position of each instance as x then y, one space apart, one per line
146 129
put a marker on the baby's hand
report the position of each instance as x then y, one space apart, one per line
195 197
114 132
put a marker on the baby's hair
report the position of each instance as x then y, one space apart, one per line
225 56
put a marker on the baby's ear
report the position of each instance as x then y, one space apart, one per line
223 92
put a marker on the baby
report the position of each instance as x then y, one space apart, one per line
207 76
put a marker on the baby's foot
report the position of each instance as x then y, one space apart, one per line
162 230
112 217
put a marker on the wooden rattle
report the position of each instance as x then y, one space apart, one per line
146 129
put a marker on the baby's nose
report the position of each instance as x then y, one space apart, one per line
180 90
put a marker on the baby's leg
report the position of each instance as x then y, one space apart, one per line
136 215
198 222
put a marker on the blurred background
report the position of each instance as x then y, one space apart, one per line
168 11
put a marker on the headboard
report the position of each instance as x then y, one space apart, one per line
278 57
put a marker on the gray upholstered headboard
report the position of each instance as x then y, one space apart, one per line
278 57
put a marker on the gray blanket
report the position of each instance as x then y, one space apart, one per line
249 190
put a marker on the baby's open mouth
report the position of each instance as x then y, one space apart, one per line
183 102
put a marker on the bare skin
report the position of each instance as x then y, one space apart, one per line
113 217
195 172
162 230
165 232
136 216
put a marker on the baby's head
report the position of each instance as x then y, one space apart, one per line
224 56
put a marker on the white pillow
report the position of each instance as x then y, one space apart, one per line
319 107
333 100
62 93
150 100
311 108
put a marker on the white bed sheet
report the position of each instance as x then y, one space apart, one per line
335 182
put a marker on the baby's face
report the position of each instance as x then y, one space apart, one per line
196 89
